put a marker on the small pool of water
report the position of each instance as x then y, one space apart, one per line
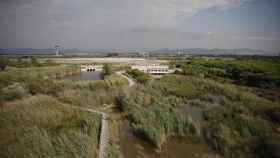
96 75
193 111
133 147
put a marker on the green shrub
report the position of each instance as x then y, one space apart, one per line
14 91
3 63
107 70
43 86
139 76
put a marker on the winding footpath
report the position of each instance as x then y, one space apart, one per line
104 136
131 82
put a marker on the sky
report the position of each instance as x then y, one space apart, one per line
136 25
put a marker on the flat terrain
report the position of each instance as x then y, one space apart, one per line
210 108
104 60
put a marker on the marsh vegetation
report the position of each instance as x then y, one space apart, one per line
36 120
213 105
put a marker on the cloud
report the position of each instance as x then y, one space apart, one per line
125 24
120 13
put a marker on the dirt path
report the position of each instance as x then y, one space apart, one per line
131 82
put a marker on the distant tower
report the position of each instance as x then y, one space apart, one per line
146 55
57 50
179 53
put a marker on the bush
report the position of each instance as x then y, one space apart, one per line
3 63
43 86
139 76
107 70
14 91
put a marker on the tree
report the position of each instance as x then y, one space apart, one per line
3 63
107 70
34 61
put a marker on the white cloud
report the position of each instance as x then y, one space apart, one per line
120 13
109 24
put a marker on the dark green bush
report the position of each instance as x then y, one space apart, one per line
43 86
139 76
3 63
107 70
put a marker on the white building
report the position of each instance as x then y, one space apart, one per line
153 69
91 68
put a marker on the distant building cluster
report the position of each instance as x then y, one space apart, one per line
153 69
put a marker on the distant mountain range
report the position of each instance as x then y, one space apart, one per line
23 51
216 51
191 51
48 51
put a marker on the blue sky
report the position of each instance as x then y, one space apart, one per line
131 25
253 16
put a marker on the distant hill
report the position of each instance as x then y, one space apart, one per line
26 51
50 51
190 51
216 51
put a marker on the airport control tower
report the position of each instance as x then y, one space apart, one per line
57 50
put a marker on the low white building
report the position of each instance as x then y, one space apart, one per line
91 68
153 69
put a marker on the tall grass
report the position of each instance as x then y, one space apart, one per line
231 115
41 127
93 94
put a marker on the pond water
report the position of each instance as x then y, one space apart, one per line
193 111
133 147
96 75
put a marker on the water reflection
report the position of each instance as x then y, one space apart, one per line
96 75
133 147
193 111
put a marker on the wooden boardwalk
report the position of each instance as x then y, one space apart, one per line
104 133
104 136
